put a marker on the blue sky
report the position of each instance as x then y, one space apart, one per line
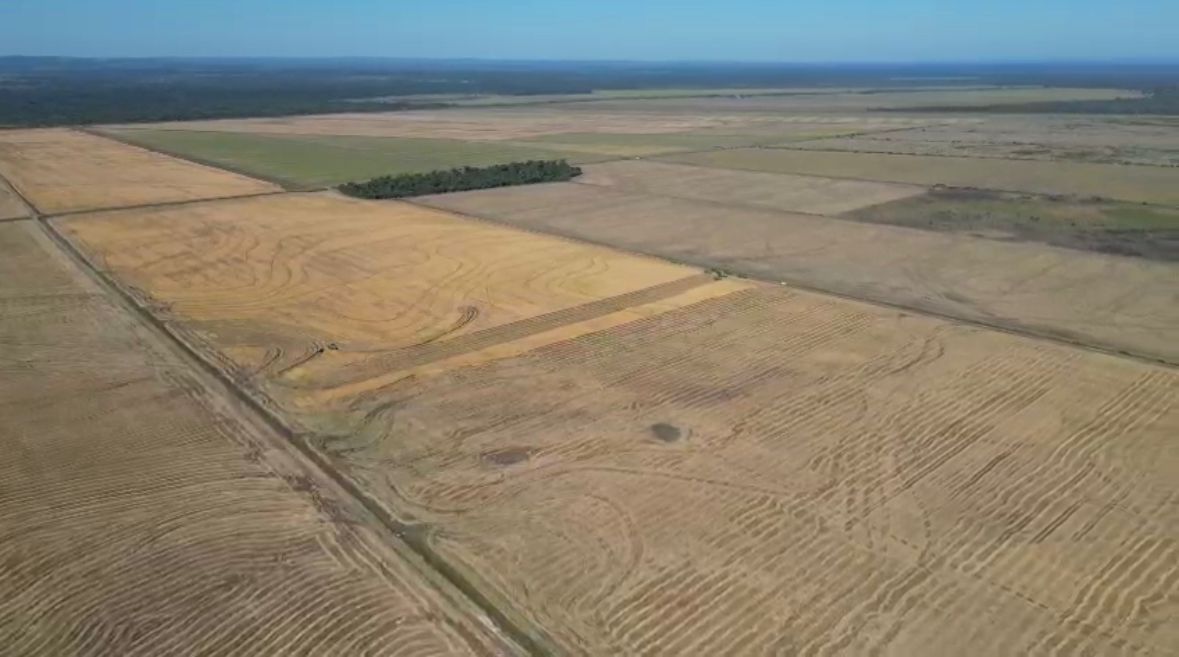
782 30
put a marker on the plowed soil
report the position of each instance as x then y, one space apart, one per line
64 170
1116 302
317 294
141 517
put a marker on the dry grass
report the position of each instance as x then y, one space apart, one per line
141 517
63 170
1121 303
760 190
1148 184
322 295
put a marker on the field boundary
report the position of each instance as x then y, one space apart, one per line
286 185
1017 330
449 581
164 204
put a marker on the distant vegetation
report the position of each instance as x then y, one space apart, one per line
463 179
43 91
1162 101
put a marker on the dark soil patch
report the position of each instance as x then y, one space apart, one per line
507 456
667 433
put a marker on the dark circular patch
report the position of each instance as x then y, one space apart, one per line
507 456
668 433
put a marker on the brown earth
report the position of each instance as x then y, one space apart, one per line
1145 184
62 170
143 516
807 194
1120 303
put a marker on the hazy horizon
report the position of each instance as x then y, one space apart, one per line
740 31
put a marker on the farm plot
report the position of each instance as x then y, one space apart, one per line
143 516
11 206
1116 302
316 297
64 170
317 161
1110 141
774 472
808 194
1082 179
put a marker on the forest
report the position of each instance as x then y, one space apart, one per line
46 91
463 179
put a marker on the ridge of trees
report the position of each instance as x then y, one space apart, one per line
463 179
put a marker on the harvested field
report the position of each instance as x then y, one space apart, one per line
143 516
1120 303
533 123
316 294
64 170
763 190
1076 138
776 472
1147 184
311 161
11 206
859 100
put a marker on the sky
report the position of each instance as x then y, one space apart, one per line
717 30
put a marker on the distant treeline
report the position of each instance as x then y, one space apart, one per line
463 179
1162 101
42 91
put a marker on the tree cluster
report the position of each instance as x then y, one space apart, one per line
463 179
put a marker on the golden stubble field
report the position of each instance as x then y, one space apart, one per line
739 469
61 170
318 297
1115 302
142 515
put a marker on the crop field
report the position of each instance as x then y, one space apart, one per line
775 472
532 123
11 206
775 191
752 384
1117 302
867 480
319 296
311 161
862 100
142 516
1082 179
1086 139
1135 229
66 170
